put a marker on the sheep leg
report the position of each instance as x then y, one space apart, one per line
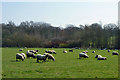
37 60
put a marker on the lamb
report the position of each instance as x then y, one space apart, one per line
41 57
64 51
115 53
83 55
19 56
30 54
50 56
23 55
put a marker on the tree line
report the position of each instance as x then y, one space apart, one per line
41 34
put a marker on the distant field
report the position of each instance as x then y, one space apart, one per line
67 65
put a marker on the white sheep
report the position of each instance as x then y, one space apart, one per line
115 53
98 56
83 55
30 54
19 56
50 56
50 51
23 55
41 57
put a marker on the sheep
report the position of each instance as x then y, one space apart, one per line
108 50
85 52
50 56
93 52
98 56
83 55
34 51
19 56
50 51
41 57
115 53
23 55
101 58
30 54
71 50
64 51
20 49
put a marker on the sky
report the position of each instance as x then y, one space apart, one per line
61 13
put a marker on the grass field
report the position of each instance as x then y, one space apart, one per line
67 65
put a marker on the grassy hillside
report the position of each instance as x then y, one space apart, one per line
67 65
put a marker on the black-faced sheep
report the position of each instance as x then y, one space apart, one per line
83 55
41 57
30 54
115 53
50 56
19 56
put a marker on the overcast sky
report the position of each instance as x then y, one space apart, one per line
61 13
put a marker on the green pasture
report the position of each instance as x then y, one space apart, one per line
67 65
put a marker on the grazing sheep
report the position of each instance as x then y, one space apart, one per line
108 50
115 53
85 52
101 58
41 57
71 50
98 56
19 56
30 54
50 51
50 56
23 55
83 55
20 49
64 51
93 52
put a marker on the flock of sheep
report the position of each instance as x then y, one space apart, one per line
48 55
99 57
31 53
